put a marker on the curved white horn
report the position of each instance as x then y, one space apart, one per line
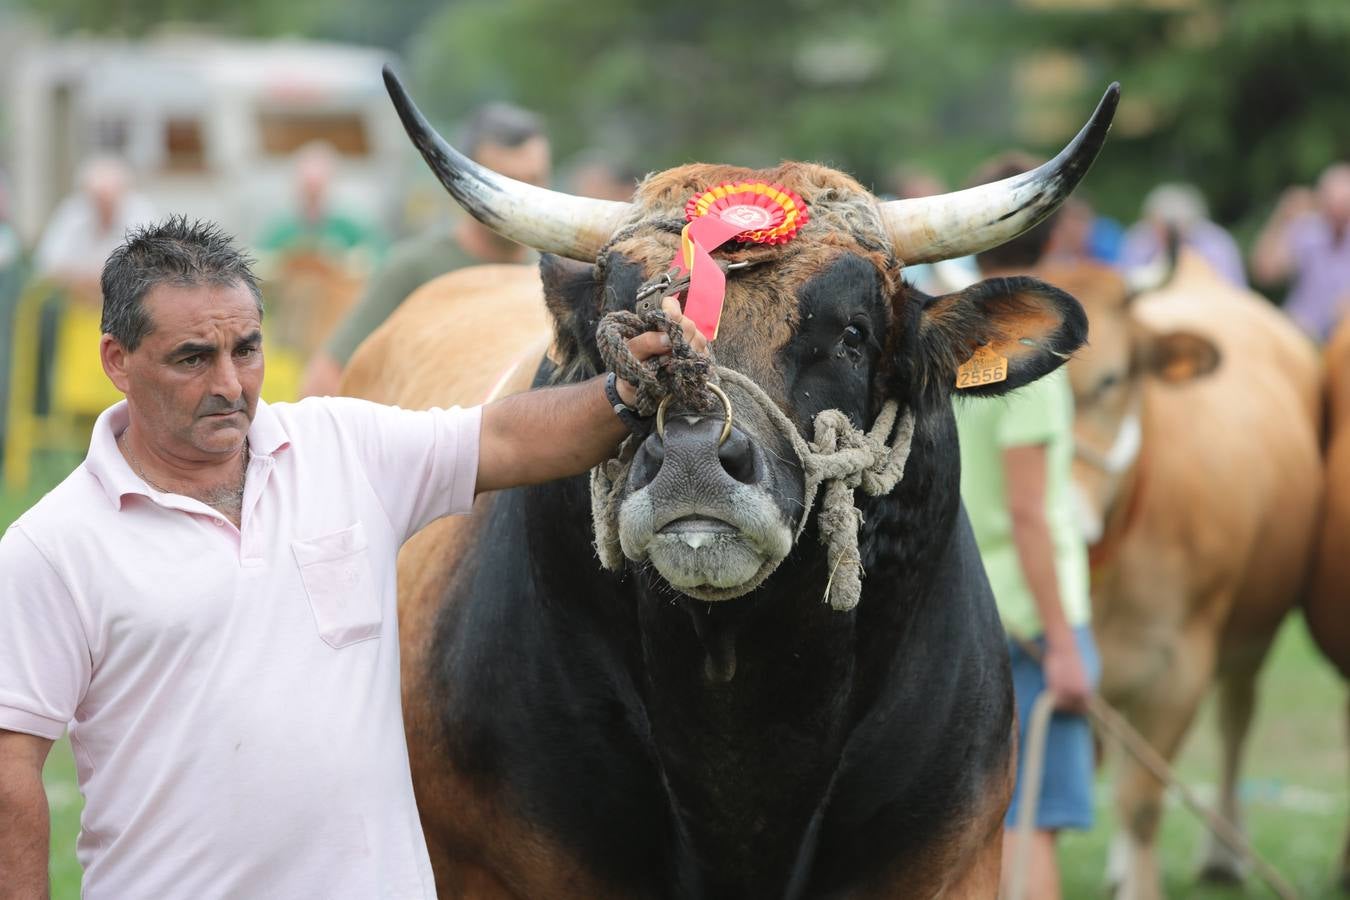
548 221
927 229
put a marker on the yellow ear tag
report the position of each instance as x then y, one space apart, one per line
984 367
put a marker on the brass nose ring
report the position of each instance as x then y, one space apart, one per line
726 407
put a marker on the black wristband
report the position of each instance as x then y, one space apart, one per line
627 415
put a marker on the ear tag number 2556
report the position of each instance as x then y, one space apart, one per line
984 367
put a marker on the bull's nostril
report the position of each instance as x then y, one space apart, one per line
688 448
655 448
739 459
647 461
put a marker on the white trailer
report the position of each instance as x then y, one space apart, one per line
208 125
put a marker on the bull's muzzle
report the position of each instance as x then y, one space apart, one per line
701 505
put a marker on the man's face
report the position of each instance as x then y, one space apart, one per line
314 178
529 162
193 381
105 190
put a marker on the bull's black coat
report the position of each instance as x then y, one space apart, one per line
849 750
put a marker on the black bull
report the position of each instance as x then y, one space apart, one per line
849 749
569 741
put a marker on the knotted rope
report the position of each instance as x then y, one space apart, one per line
682 374
839 456
1114 725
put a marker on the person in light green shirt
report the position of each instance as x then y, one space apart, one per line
1017 486
332 234
1039 415
315 226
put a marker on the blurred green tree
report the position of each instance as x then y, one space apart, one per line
1243 97
1240 97
861 87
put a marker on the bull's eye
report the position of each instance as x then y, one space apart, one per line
854 336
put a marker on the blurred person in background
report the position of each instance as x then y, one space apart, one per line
605 177
1307 243
11 271
316 225
316 258
908 181
89 224
502 137
11 280
11 250
1179 211
1081 234
1016 483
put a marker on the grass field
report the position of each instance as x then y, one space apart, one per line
1294 785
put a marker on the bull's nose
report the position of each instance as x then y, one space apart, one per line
690 449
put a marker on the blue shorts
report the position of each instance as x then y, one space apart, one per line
1066 784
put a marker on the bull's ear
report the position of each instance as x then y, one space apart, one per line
1177 356
1032 325
572 297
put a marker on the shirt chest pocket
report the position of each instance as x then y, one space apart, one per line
341 586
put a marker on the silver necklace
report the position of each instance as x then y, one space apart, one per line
226 500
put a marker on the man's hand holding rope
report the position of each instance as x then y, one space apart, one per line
542 435
654 344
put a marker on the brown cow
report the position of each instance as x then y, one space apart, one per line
1326 607
704 719
1199 478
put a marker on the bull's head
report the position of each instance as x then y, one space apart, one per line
823 322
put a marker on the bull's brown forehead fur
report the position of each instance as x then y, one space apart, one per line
761 304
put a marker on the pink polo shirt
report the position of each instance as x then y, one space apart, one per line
233 695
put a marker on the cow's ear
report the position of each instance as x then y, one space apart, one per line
571 294
1032 325
1177 356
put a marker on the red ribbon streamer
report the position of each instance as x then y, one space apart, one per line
750 211
707 281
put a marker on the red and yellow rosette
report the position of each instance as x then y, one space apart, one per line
767 213
748 211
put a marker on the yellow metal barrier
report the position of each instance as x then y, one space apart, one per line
285 368
80 390
80 387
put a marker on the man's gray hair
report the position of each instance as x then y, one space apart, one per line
175 251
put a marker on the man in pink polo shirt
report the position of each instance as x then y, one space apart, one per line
208 601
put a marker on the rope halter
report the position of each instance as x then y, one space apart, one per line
840 456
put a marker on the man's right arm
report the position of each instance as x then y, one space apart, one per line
45 668
24 820
1025 474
